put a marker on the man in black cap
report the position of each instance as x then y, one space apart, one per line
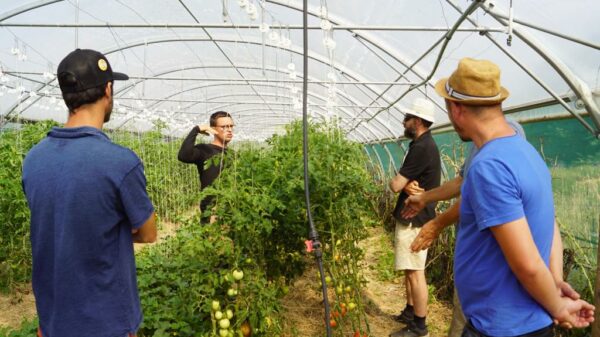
88 205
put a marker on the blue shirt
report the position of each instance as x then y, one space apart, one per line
473 150
507 180
85 194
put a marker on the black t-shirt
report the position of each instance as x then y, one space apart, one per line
199 154
422 163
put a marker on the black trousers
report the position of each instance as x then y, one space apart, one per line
470 331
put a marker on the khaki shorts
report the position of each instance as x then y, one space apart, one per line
404 259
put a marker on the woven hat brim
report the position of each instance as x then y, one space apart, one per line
440 88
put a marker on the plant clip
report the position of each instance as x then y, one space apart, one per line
309 246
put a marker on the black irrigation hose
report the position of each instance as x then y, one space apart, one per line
313 236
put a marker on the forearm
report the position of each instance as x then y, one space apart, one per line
541 285
556 256
398 183
448 190
449 217
516 242
186 152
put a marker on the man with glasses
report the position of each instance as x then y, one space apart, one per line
421 164
221 127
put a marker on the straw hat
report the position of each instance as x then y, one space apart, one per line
423 109
474 82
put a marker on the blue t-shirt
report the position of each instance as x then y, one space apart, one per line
473 149
85 194
507 180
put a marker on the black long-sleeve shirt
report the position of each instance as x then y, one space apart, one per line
199 154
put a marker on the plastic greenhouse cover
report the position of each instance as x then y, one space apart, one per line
187 59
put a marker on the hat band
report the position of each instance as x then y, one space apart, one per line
460 96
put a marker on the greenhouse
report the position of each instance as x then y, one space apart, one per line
297 230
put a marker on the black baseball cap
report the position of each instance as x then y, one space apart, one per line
83 69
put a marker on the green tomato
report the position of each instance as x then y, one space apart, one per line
224 323
229 313
218 315
238 275
248 261
223 333
215 305
327 279
231 292
351 306
339 290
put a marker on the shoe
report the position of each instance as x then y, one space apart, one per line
405 317
410 331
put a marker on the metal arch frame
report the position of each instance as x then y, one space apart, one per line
377 156
572 80
316 57
364 137
334 19
346 72
368 37
249 67
375 135
365 36
26 8
312 55
348 98
221 50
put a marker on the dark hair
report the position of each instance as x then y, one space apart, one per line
426 124
217 115
76 99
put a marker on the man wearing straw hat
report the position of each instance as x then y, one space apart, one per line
506 225
422 165
88 205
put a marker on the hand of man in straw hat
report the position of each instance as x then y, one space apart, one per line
574 313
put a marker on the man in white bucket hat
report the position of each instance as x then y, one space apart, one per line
421 164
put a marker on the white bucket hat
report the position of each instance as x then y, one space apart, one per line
422 108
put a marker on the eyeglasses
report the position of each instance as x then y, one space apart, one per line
225 127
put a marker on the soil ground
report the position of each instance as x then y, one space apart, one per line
304 310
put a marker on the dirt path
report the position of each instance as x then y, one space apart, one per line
383 299
14 308
303 303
